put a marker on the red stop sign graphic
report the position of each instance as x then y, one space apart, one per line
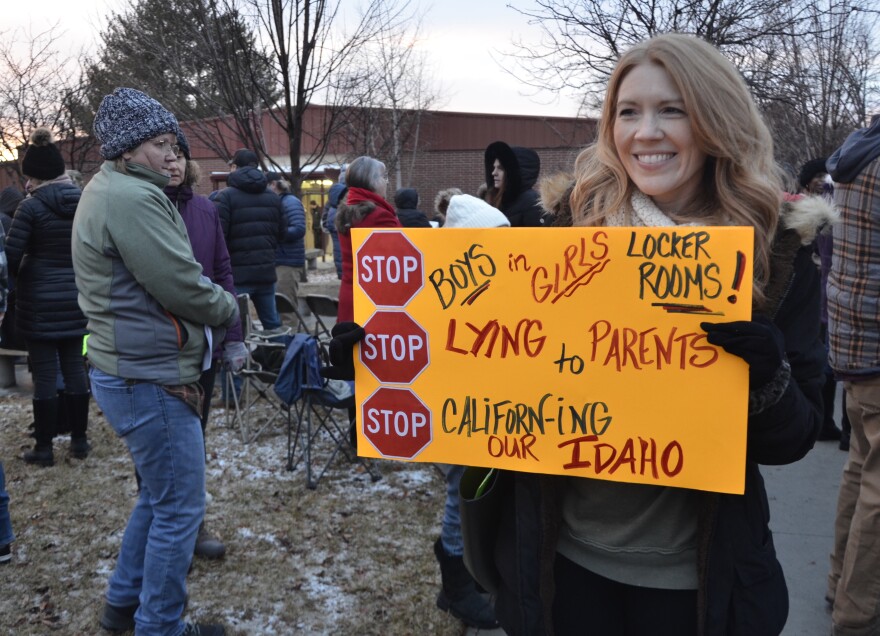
396 423
395 349
390 269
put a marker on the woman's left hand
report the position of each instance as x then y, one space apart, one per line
345 336
759 342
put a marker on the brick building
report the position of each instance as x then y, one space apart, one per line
449 152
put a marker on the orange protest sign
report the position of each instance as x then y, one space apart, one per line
571 351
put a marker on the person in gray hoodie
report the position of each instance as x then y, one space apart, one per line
854 343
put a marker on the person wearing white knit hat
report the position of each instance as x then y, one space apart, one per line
469 211
459 594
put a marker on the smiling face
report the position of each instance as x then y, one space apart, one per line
158 154
654 138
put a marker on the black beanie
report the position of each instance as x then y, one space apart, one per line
42 159
810 169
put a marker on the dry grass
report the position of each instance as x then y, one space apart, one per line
352 557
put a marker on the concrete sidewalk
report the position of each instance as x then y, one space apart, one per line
803 502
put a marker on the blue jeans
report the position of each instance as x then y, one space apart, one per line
263 298
6 534
164 437
450 530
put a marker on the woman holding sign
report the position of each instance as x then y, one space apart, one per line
680 143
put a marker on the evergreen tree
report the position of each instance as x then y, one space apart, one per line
189 55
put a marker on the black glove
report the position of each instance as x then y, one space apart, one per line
759 342
345 336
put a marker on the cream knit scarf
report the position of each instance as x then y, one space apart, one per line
644 214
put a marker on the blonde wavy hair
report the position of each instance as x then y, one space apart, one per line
740 183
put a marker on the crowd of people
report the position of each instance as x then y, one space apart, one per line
150 271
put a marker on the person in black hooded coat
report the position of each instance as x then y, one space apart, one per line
511 172
48 316
406 200
254 223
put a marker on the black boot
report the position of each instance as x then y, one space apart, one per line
77 407
459 595
62 421
45 412
829 430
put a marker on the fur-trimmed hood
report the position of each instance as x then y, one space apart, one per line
554 193
348 216
807 217
800 222
362 208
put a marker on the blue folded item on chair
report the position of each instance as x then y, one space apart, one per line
301 370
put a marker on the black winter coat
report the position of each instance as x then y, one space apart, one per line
406 201
412 218
253 223
520 202
742 590
39 254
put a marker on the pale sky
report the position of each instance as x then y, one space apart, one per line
460 37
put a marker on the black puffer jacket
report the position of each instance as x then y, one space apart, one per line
742 590
39 254
521 168
253 223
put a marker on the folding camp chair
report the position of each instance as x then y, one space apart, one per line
285 305
252 385
320 408
323 308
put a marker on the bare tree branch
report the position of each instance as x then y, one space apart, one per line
810 64
38 87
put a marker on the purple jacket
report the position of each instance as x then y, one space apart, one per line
208 245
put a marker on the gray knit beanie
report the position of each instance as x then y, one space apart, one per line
127 118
